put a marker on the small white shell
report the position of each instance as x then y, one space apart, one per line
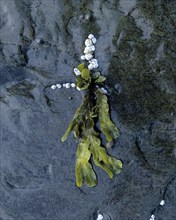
93 61
64 85
53 87
88 50
152 217
59 86
104 90
73 85
100 217
77 72
95 65
91 36
162 202
88 56
90 67
88 43
94 40
83 57
92 48
67 86
78 89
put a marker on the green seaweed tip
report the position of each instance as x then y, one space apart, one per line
83 125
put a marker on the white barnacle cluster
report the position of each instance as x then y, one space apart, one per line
92 64
64 85
88 52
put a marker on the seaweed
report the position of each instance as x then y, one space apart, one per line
94 109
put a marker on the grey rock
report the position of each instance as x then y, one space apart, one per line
40 44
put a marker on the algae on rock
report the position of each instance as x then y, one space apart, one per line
83 125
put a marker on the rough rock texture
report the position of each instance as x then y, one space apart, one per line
41 42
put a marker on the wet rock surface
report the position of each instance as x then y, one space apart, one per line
41 42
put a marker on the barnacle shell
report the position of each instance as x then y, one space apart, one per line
59 86
88 56
73 85
91 36
67 85
88 43
53 87
90 66
92 47
104 90
77 72
78 88
88 50
95 65
93 61
94 40
83 57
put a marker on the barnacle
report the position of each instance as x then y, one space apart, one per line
83 125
